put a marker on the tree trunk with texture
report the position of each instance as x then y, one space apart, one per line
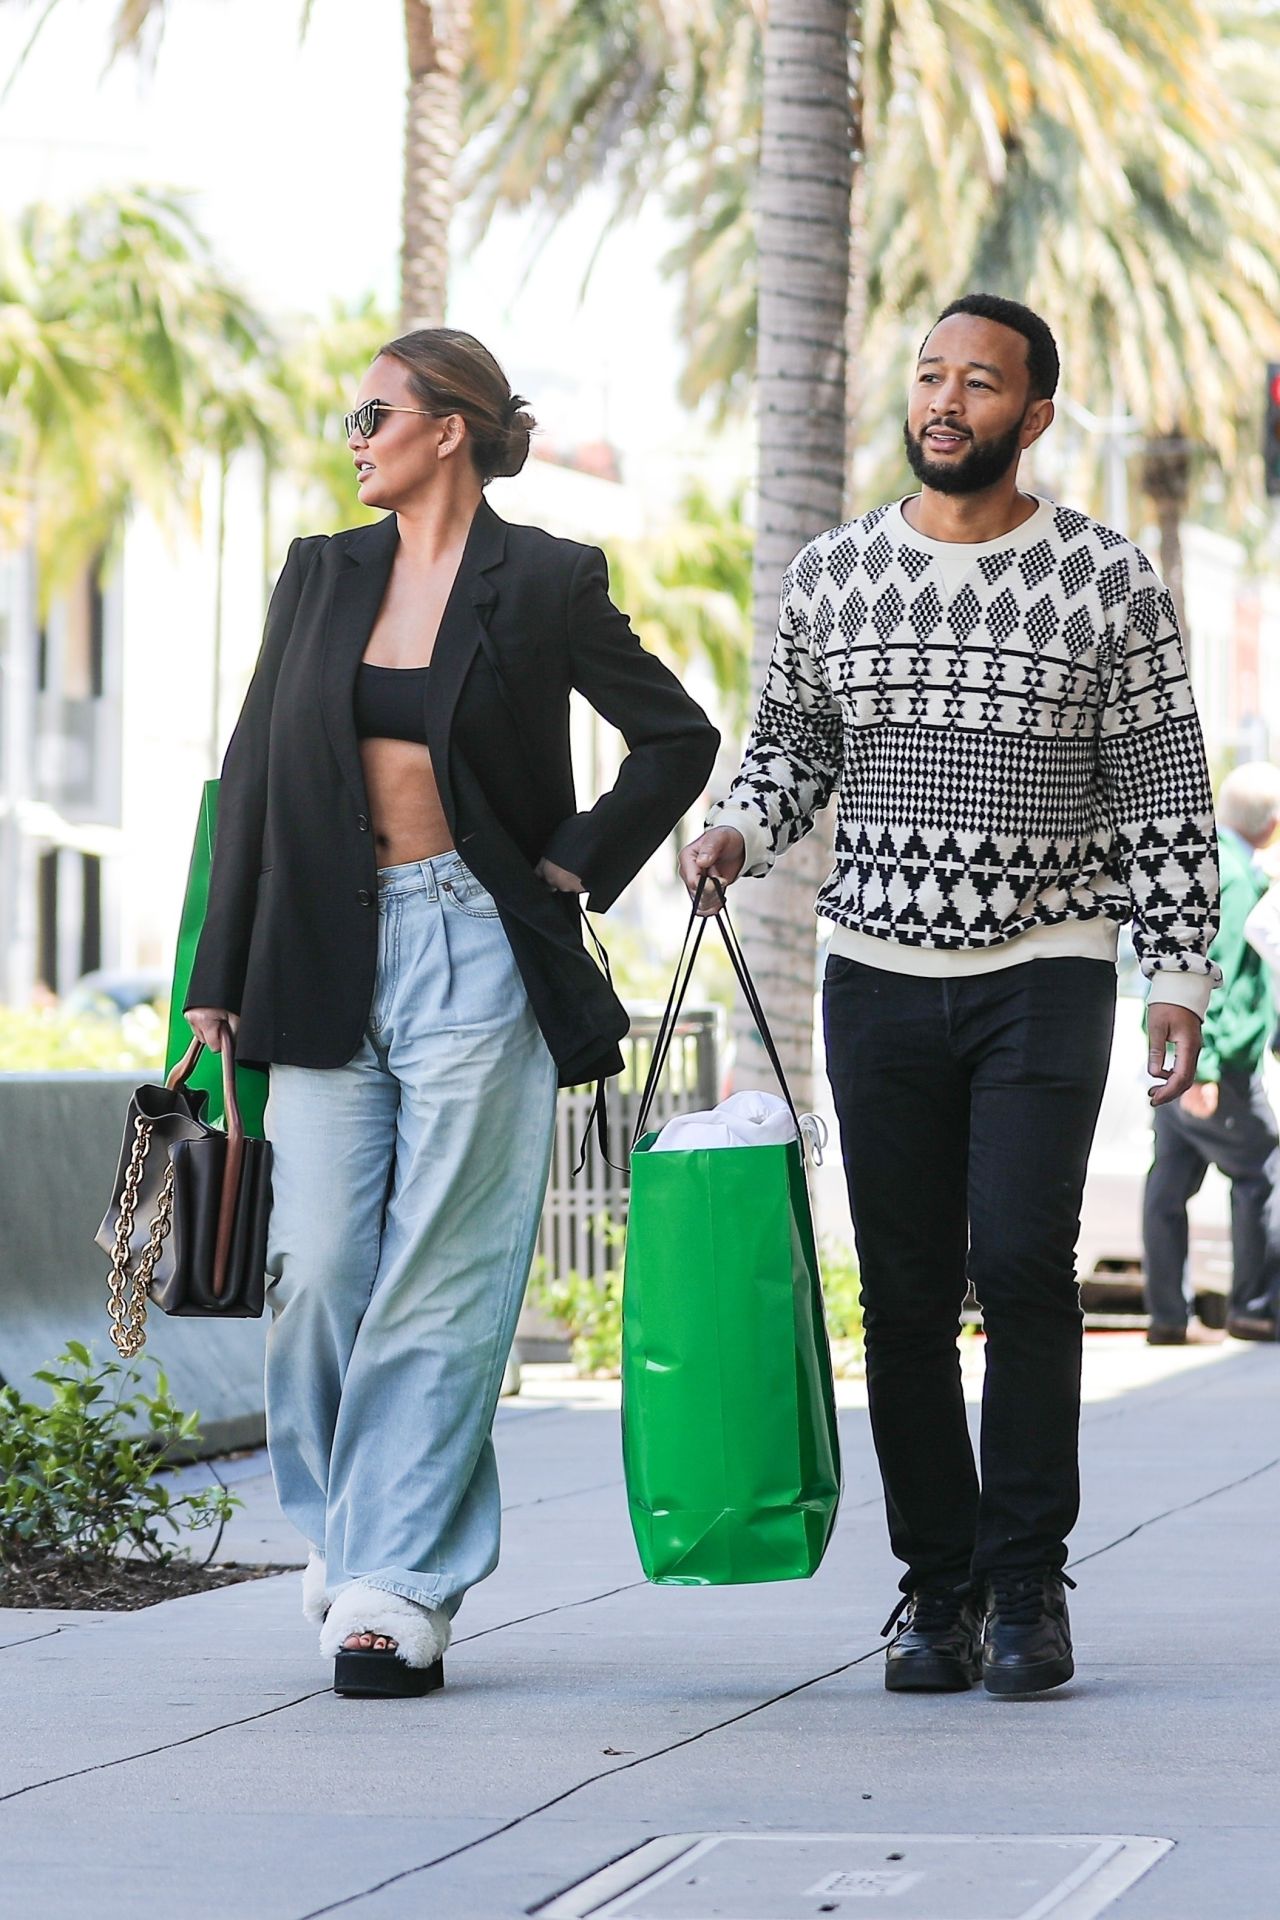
436 37
1166 480
806 174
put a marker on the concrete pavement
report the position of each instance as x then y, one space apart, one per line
191 1758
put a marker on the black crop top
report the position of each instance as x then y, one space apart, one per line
391 703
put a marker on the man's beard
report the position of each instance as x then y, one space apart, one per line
986 462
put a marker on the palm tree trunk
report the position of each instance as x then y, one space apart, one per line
436 38
855 322
806 171
1166 480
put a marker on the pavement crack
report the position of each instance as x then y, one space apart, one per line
565 1606
1183 1506
30 1639
591 1780
226 1726
719 1726
570 1493
166 1746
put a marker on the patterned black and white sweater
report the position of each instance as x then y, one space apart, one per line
1015 749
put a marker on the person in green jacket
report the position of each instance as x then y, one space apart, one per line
1225 1119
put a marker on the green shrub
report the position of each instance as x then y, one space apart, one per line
841 1290
589 1308
44 1039
74 1481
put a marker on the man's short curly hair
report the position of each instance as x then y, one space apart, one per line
1042 349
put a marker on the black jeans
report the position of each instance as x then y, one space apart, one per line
967 1108
1241 1141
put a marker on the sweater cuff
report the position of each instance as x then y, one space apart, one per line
1190 990
743 818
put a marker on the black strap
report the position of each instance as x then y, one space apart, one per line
671 1012
599 1114
598 1118
680 986
755 1007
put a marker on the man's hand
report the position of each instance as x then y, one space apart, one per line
1177 1027
559 878
1201 1100
720 852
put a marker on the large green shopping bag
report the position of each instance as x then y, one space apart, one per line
251 1082
728 1415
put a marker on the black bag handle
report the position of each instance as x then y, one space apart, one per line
671 1012
234 1162
679 988
598 1118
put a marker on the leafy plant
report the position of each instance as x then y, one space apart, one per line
75 1480
841 1291
587 1306
48 1040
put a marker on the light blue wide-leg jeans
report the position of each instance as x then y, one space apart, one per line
408 1186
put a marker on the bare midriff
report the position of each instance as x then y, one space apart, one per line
404 802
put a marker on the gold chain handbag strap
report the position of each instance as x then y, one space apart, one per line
127 1294
127 1298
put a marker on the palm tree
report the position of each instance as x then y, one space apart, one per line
805 180
437 39
118 337
687 589
668 100
437 36
318 371
1119 106
1158 273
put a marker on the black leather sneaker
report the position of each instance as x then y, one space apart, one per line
938 1647
1027 1644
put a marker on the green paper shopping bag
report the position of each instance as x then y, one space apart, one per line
729 1433
251 1082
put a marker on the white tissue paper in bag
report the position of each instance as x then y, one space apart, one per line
743 1120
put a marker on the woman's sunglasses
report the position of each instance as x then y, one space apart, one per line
364 420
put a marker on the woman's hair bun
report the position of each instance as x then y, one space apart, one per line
511 452
451 372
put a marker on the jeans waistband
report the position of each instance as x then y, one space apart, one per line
423 876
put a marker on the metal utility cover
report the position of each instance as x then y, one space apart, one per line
863 1876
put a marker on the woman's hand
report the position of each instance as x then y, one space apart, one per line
559 878
720 854
210 1022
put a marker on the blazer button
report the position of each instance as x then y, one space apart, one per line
362 821
364 896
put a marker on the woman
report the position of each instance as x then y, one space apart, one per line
394 928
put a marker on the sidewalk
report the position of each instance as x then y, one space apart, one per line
190 1760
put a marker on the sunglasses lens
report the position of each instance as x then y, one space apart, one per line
362 421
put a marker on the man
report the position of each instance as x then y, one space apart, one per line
1225 1119
996 687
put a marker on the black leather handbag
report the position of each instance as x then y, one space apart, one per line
187 1224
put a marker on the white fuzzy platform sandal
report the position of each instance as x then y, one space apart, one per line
315 1598
421 1634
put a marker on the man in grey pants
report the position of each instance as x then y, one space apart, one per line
1224 1119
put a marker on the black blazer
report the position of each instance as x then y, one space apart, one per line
290 936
